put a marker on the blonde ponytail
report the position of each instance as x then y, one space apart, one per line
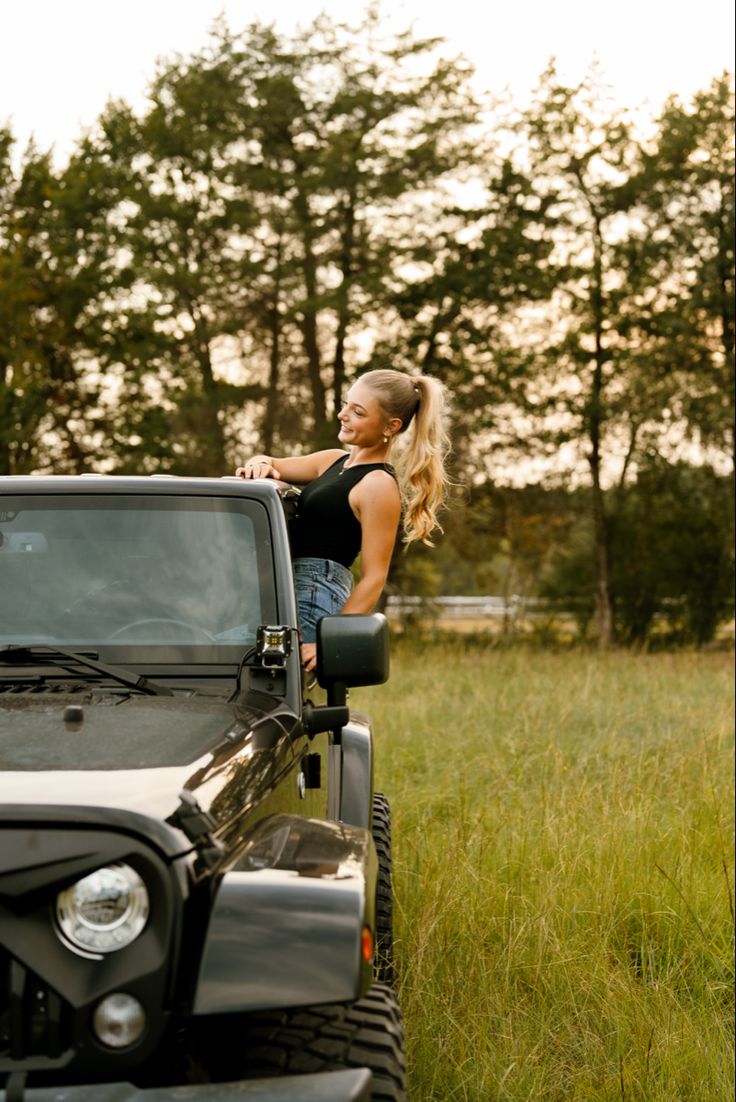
423 463
419 402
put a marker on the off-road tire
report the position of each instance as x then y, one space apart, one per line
384 958
368 1033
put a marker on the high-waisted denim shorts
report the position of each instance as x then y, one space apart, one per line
322 588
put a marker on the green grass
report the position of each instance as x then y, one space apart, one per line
563 871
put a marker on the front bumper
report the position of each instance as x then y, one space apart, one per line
352 1085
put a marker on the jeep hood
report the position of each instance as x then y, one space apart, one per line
136 754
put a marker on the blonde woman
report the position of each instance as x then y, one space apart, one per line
353 501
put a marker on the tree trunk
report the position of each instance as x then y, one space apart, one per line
604 612
308 323
7 419
274 317
725 276
343 301
211 449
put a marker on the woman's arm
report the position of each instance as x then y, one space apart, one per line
298 469
377 504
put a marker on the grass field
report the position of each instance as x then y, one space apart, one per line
563 870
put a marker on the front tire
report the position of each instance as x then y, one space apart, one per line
368 1033
384 963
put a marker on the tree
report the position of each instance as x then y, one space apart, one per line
580 157
598 379
672 555
348 133
257 201
682 258
183 287
675 553
472 272
19 404
56 267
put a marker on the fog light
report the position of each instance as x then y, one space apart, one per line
119 1020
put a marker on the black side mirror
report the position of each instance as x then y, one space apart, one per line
352 650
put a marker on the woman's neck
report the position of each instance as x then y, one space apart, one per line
360 456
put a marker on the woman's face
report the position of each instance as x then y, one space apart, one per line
362 421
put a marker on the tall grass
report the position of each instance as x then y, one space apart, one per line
563 871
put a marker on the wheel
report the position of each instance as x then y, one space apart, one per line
384 966
198 633
368 1033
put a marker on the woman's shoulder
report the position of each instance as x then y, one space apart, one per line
382 479
383 472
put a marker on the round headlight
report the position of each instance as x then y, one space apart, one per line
104 911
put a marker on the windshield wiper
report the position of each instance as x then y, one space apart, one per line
27 653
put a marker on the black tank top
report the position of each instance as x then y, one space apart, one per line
326 526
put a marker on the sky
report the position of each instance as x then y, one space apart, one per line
61 60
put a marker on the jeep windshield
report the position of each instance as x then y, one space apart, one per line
154 574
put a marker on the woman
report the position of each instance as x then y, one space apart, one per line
352 502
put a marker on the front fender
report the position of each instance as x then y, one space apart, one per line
357 771
287 923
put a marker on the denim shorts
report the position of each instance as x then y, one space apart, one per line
322 588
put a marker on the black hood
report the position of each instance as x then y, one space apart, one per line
113 732
134 755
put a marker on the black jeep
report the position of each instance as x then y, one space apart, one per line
195 896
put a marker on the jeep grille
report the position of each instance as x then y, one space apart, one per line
31 1014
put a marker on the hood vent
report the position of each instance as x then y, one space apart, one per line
18 688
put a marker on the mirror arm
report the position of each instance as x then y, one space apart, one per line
324 718
337 694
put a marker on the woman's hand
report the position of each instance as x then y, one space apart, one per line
309 656
297 469
258 467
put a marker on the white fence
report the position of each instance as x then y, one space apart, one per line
462 608
502 615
